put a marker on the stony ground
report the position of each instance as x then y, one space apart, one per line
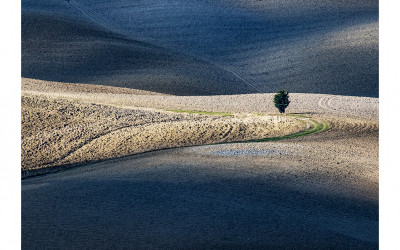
61 132
315 191
115 63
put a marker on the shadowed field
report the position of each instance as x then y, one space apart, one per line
327 47
163 201
105 82
242 46
59 49
315 191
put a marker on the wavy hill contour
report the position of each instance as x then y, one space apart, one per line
57 48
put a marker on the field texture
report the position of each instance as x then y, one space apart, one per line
205 47
60 132
150 124
318 190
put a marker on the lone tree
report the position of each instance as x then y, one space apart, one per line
281 100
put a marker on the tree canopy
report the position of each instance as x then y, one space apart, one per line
281 100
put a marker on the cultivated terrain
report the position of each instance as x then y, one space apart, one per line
316 190
130 110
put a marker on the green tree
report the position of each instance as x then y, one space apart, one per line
281 100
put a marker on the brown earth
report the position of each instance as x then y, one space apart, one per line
69 124
61 132
319 191
314 191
